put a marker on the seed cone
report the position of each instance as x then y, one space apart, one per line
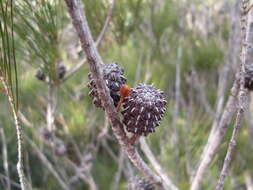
40 75
61 69
113 76
140 184
143 110
248 80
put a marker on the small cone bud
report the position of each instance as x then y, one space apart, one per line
61 69
40 75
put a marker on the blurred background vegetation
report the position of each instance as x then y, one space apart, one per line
189 49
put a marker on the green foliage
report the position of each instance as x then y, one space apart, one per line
163 16
38 27
207 56
127 20
96 12
8 66
104 163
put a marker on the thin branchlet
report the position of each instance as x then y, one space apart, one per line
237 98
246 59
20 168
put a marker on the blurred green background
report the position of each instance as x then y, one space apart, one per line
182 47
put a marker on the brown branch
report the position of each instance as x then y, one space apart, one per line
80 23
238 95
246 59
117 177
47 164
158 168
230 60
217 137
99 39
230 151
106 24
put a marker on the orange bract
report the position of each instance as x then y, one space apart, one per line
124 91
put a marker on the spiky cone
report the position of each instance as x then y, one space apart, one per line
248 80
40 75
61 70
144 108
141 184
113 76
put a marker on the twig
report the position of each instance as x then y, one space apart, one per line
62 121
40 154
27 167
99 39
47 163
13 183
104 130
91 182
230 59
248 180
51 106
80 23
216 140
83 173
219 126
175 135
178 83
20 168
106 24
73 70
158 168
188 107
246 54
188 157
144 146
87 178
230 151
228 112
109 150
202 93
117 177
